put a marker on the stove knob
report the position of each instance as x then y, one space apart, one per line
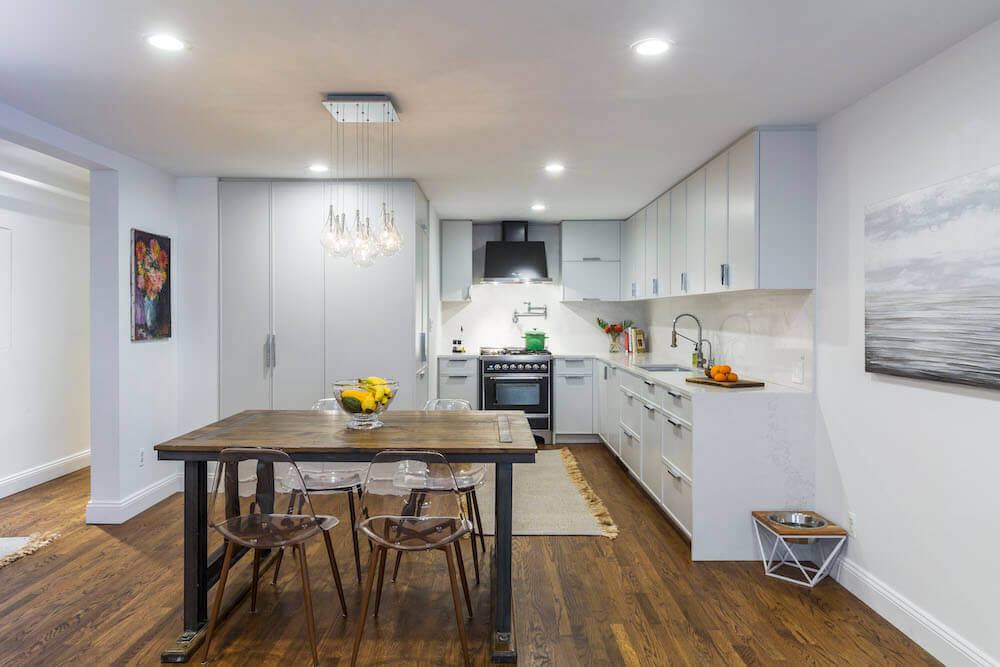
536 366
505 367
544 366
520 365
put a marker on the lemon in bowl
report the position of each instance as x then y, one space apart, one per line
365 399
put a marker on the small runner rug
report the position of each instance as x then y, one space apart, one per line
13 548
551 497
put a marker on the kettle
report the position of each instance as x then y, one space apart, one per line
534 340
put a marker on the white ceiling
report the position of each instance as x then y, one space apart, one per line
488 90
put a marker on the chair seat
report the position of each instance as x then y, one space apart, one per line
410 533
263 531
328 477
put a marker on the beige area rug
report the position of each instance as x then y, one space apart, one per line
13 548
551 497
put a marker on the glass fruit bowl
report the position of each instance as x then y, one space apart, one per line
365 399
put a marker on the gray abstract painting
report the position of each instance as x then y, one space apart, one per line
932 282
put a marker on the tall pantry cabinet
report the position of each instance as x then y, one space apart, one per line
293 319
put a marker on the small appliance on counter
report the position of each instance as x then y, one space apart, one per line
456 343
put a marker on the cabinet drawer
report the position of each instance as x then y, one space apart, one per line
465 387
677 496
676 403
630 410
631 449
574 403
449 366
574 366
652 427
676 440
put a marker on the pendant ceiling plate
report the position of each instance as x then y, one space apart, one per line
361 108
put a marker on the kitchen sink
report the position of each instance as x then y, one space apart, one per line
664 368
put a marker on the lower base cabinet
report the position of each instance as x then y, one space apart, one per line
573 398
631 449
677 495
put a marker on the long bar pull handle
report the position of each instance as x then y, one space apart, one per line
274 351
674 394
591 259
649 384
673 423
656 287
673 473
267 351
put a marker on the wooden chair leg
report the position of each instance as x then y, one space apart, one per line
458 606
277 566
253 584
395 568
381 580
479 521
461 571
354 534
336 571
365 597
307 598
226 561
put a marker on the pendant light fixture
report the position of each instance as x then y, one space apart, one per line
372 232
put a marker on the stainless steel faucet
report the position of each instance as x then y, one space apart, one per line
698 344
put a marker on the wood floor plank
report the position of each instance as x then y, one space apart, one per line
111 595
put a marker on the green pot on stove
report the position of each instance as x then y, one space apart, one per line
534 340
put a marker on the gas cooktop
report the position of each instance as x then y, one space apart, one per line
511 352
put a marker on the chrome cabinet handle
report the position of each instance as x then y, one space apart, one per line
673 423
274 351
591 259
650 408
267 351
674 394
725 274
575 377
651 384
673 473
656 287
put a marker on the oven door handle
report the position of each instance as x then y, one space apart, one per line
515 376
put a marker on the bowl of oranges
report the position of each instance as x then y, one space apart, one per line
721 373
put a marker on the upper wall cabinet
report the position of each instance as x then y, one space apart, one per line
651 280
456 260
591 265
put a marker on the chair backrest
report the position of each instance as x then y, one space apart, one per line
447 404
264 496
410 483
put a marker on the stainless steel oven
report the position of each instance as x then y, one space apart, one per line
519 382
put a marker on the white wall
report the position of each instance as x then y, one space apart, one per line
133 386
916 461
196 324
44 319
762 334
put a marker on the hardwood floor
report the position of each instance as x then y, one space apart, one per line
111 595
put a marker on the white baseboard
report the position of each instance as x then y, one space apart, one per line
120 511
576 438
935 637
26 479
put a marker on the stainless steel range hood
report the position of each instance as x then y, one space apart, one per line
515 259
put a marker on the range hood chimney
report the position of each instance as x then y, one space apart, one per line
515 259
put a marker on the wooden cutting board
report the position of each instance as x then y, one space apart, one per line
728 385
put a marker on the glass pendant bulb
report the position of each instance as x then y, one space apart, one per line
328 236
364 250
334 237
390 241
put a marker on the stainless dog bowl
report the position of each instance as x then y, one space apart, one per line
796 520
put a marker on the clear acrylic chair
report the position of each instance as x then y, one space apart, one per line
246 518
329 478
468 476
411 503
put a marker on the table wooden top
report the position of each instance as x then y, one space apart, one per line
317 432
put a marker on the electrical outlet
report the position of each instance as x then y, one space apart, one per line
799 372
852 522
142 456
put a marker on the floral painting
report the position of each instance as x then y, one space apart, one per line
150 286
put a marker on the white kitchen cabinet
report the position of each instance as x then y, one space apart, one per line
694 234
458 377
741 270
573 397
663 245
716 221
650 283
591 240
456 260
678 240
631 449
652 425
591 280
675 444
634 256
677 494
609 409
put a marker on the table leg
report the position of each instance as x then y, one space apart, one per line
503 645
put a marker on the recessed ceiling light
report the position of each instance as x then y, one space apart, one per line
166 42
651 46
538 206
318 168
555 168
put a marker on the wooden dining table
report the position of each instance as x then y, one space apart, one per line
499 437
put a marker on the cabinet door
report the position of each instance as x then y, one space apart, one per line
663 244
574 401
743 213
678 240
716 221
456 260
245 296
639 255
651 427
465 387
610 407
626 261
591 241
695 233
590 280
631 449
651 283
298 295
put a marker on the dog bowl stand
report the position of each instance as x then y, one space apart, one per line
775 541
